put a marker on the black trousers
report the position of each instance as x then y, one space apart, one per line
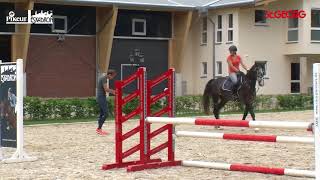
103 106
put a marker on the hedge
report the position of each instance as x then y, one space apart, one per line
39 109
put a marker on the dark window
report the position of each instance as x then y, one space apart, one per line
219 68
230 20
315 35
295 77
295 87
315 18
204 24
230 35
204 37
293 22
293 35
260 17
204 69
315 25
59 24
139 27
295 71
204 31
219 22
219 36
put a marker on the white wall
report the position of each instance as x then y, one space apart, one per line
195 53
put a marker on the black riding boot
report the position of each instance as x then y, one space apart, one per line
235 90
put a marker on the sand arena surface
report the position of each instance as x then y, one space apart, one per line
75 151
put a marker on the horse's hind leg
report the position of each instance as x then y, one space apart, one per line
215 100
219 107
252 112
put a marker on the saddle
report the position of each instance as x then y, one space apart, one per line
229 86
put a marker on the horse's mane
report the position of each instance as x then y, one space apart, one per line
251 74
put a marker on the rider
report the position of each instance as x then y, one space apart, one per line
234 61
12 98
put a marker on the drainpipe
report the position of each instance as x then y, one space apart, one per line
204 10
213 48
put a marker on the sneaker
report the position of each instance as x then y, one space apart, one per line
101 132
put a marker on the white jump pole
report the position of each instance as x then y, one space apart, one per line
19 155
316 110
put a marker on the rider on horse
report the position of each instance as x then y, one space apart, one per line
234 61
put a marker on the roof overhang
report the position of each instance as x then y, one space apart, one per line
230 3
122 4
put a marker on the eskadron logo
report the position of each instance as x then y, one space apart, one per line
8 73
30 17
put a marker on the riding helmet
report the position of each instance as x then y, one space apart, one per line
233 48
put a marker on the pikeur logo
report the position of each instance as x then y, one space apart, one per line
8 73
30 17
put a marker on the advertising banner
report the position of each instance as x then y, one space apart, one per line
8 105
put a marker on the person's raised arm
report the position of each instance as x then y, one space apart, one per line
243 65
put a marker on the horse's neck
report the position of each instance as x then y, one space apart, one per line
251 82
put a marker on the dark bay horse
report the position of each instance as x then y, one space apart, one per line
7 113
246 92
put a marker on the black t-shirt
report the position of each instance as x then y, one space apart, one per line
100 90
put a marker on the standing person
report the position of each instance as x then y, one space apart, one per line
234 62
103 91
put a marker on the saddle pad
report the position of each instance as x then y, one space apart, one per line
227 85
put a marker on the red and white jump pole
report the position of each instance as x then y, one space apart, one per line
247 168
230 123
247 137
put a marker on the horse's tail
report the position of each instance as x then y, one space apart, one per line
206 97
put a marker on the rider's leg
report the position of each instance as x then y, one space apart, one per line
234 79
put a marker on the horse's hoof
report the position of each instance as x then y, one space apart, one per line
256 129
218 128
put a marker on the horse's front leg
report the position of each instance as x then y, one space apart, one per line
245 113
253 116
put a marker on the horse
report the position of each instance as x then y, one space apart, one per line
7 113
246 92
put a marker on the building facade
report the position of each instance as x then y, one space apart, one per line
285 47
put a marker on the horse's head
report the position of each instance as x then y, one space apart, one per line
7 113
256 73
3 108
